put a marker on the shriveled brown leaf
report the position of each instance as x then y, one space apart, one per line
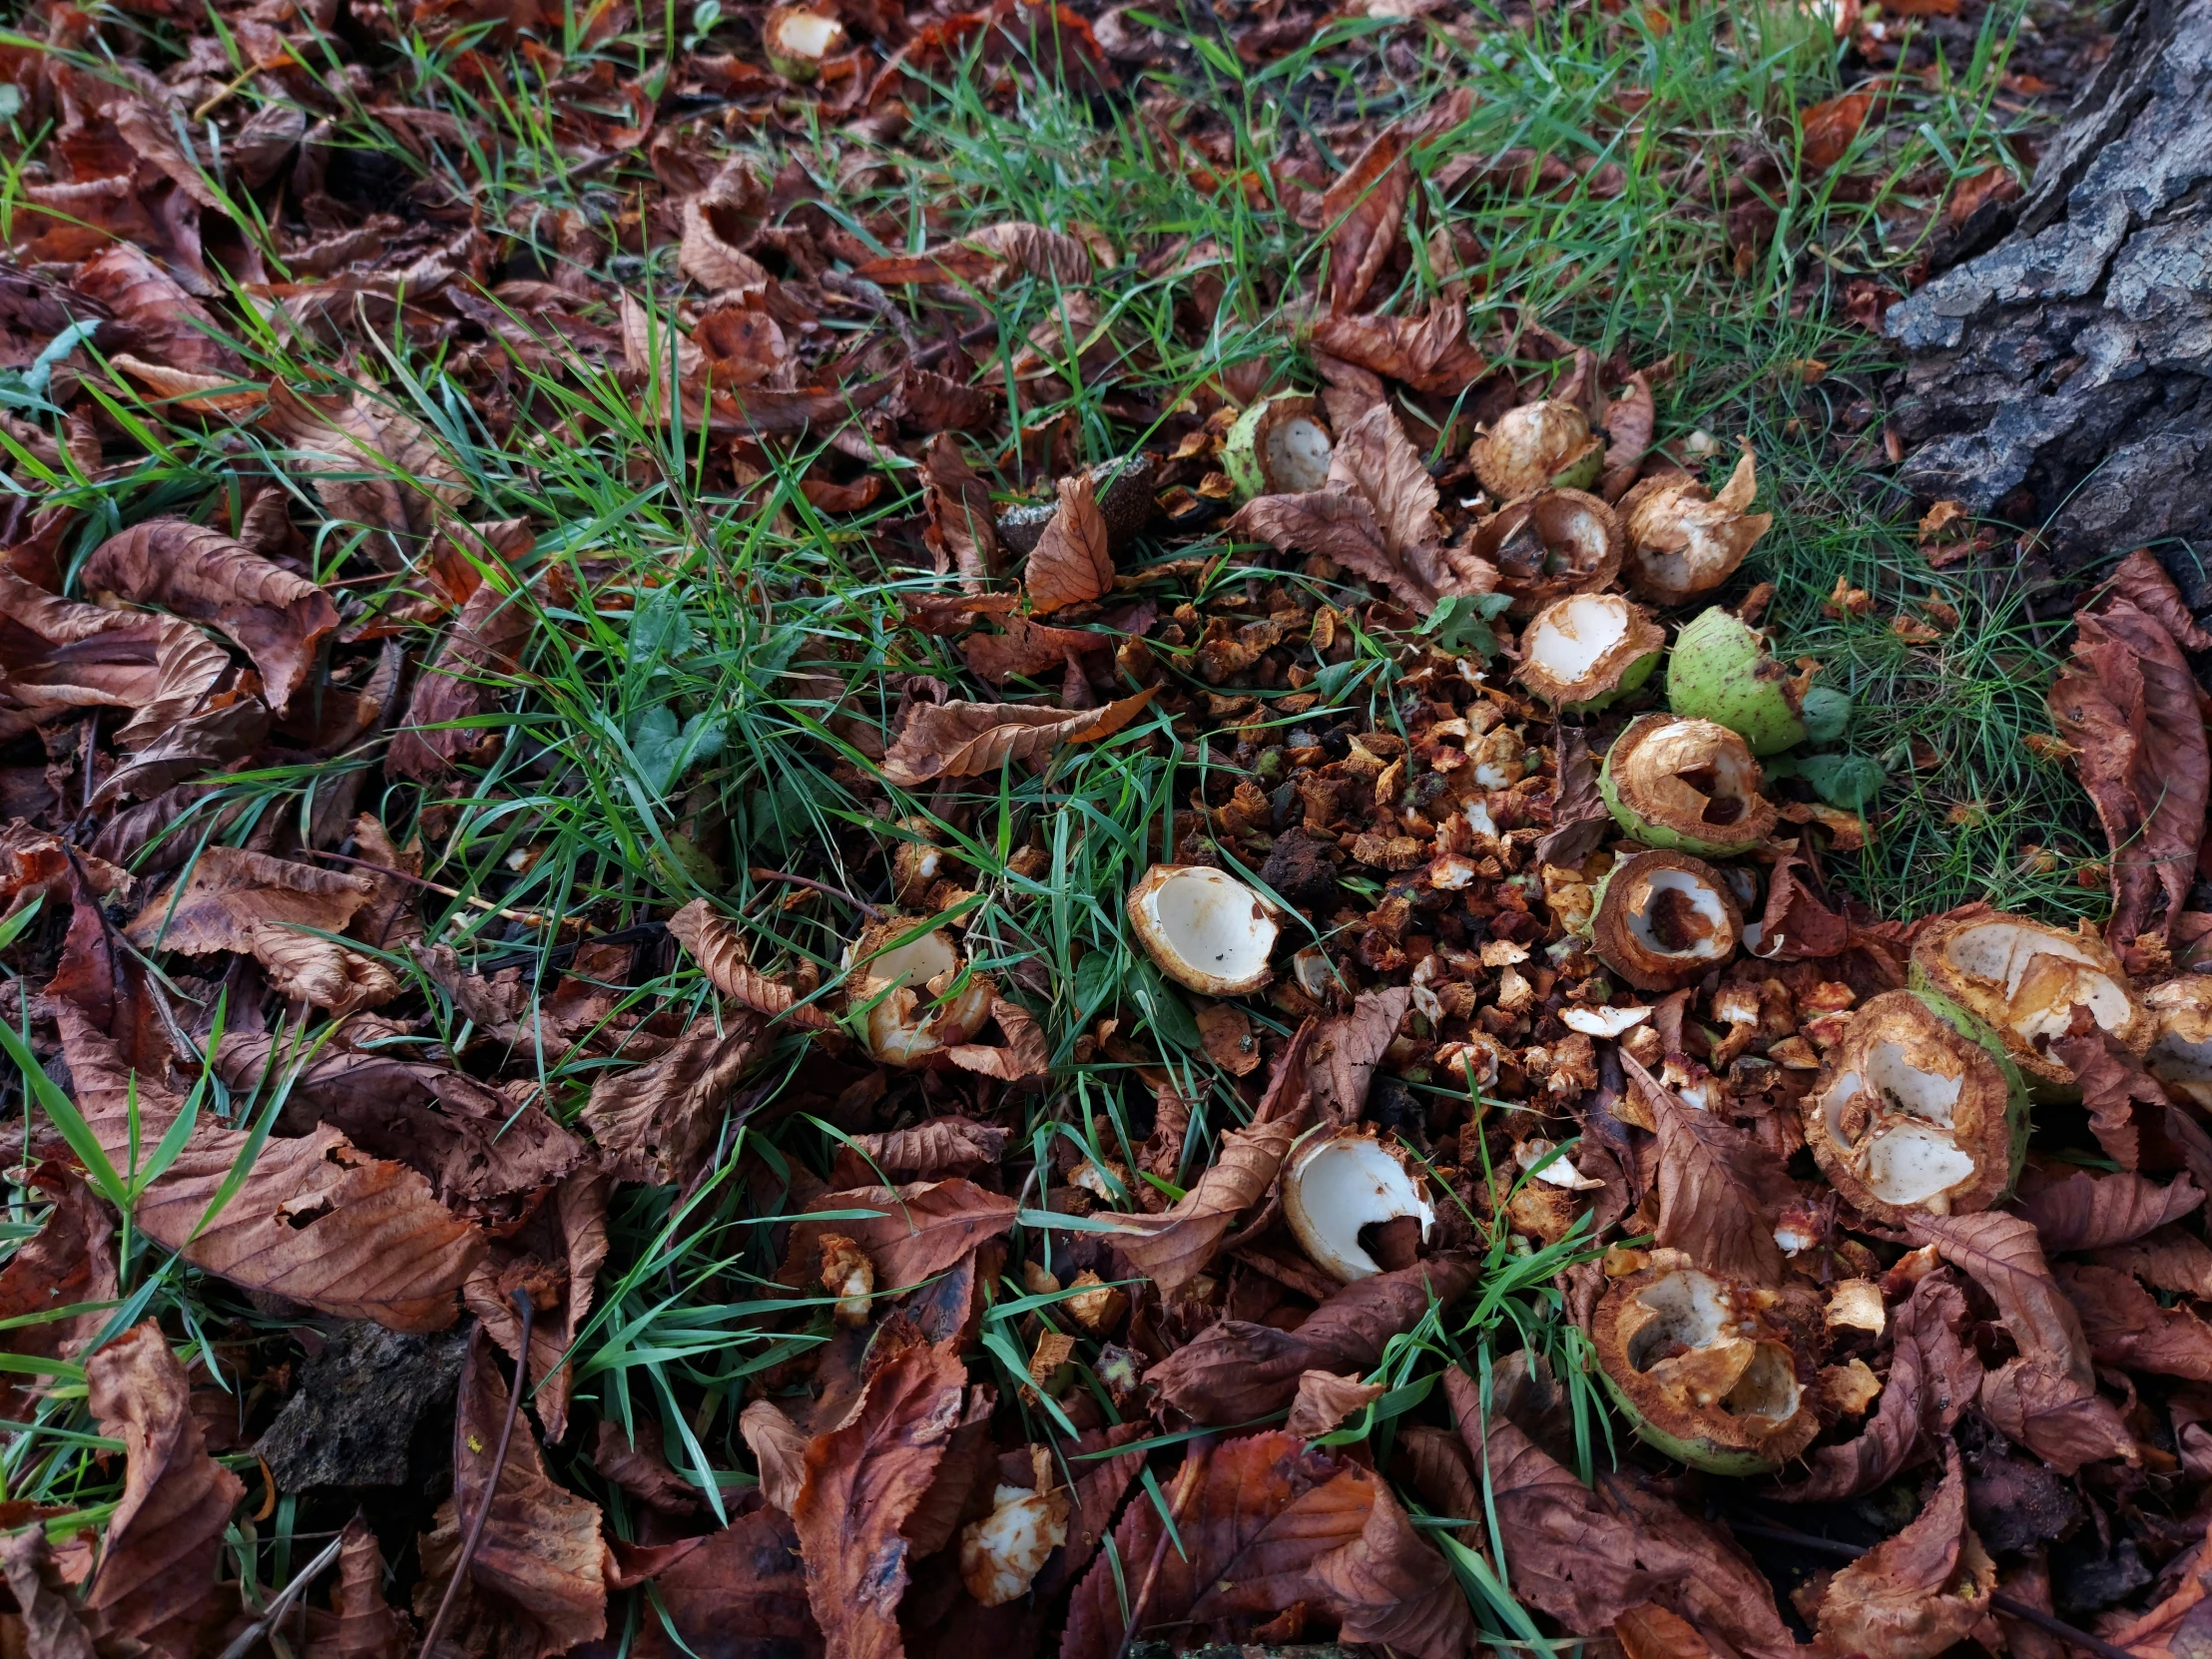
1630 423
930 1151
68 1262
1267 1523
1324 1399
171 325
1915 1594
990 257
1235 1369
1225 1031
315 1220
2129 1329
472 672
1027 648
1365 209
1339 522
862 1480
1719 1185
1072 563
778 1447
2002 1254
371 464
1829 127
156 1589
2094 1212
1177 1245
913 1230
1348 1048
1580 820
52 1628
967 740
58 656
1797 926
2040 1406
537 1584
277 618
2142 581
741 1594
556 1256
639 1468
1649 1631
1373 458
361 1623
962 527
2114 1089
1025 1056
1429 352
2172 1258
658 1122
718 949
2128 703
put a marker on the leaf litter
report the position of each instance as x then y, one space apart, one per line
870 1233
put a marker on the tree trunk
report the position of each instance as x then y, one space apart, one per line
2064 376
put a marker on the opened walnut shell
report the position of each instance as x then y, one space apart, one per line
1664 919
2023 979
1689 784
1548 545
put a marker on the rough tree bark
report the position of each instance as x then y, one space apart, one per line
2064 376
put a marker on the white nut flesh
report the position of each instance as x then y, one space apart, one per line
1603 1022
2182 1054
1298 455
808 35
912 1019
1204 928
1893 1111
1673 913
1558 1172
2043 973
1001 1554
1571 637
1336 1181
1694 1333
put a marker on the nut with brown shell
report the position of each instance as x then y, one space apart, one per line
1664 921
1545 444
1548 545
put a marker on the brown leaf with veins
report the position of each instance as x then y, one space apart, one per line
472 673
930 1151
862 1479
1027 648
1235 1370
1828 131
962 528
2113 1085
361 1624
537 1584
156 1588
1071 564
1346 1048
659 1122
1177 1245
1630 424
2002 1254
276 617
909 1232
2129 1329
180 331
2167 1260
51 1627
1266 1523
1365 211
314 1219
778 1447
2096 1212
1915 1594
967 740
1719 1185
1324 1399
371 465
2142 581
556 1254
1649 1631
1025 1057
2128 703
58 656
639 1468
718 949
67 1262
742 1594
1373 458
1429 352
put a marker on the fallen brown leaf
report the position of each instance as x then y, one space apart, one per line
1323 1401
1365 211
1828 129
1072 563
911 1232
482 650
1347 1049
741 1594
361 1623
1429 352
1177 1245
1719 1185
1915 1594
2096 1212
967 740
67 1263
373 466
658 1122
718 949
930 1151
60 655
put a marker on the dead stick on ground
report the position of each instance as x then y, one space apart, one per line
447 1602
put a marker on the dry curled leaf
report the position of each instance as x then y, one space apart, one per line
156 1590
1324 1399
659 1122
276 617
361 1623
741 1594
1719 1185
966 740
1072 563
2096 1212
718 949
1365 209
59 656
1177 1245
1915 1594
472 672
1347 1049
913 1230
68 1262
930 1151
1829 127
1429 352
371 464
314 1219
639 1468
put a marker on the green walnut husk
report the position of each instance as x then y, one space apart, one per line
1279 446
1721 671
1689 784
1703 1369
1919 1110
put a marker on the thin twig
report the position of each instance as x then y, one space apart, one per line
1194 1468
529 919
451 1599
282 1605
2010 1606
859 904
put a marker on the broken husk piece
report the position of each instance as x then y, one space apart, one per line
1664 919
1587 650
1919 1110
1204 928
1278 446
1550 545
2024 978
1540 444
1338 1181
1683 540
796 41
911 988
1702 1369
1721 671
1690 784
2182 1054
